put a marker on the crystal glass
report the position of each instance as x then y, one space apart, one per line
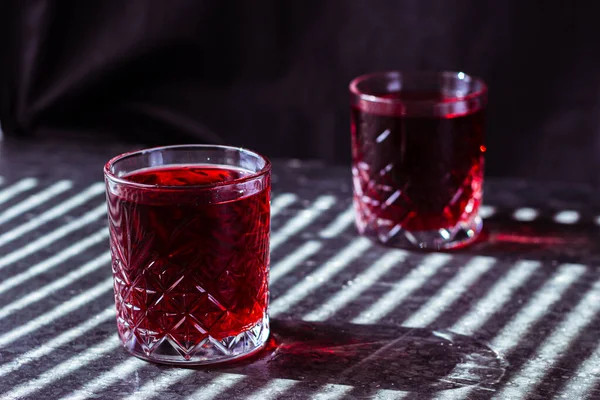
189 237
417 157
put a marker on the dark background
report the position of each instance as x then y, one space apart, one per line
272 75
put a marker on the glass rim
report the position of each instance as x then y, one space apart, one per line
371 98
123 181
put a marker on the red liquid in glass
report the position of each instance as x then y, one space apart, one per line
421 173
187 268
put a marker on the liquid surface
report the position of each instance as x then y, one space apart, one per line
417 173
187 272
410 96
186 175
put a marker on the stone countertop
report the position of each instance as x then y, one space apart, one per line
514 316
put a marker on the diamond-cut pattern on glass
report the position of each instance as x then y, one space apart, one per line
397 204
180 311
196 310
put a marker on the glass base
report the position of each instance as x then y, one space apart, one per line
442 239
209 351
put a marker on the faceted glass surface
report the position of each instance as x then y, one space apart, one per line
418 158
191 273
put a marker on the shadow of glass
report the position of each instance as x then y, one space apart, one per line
542 239
367 356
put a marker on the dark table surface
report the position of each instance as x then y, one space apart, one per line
514 316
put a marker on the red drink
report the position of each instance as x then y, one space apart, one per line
435 162
417 167
190 260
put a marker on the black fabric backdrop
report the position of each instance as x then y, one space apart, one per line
272 75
